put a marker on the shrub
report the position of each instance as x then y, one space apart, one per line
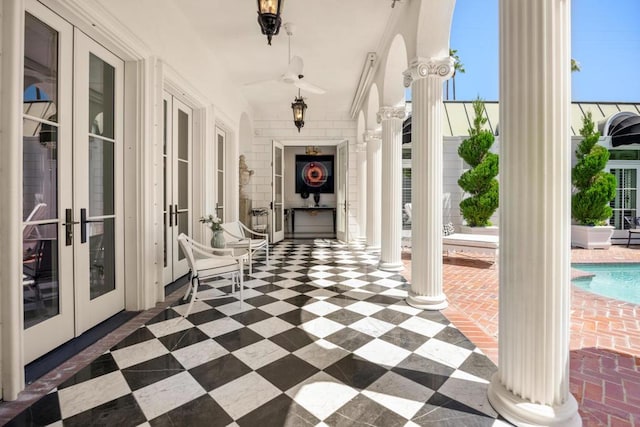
594 187
480 181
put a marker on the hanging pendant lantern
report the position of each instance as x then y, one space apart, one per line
269 17
299 107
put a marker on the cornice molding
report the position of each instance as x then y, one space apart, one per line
421 68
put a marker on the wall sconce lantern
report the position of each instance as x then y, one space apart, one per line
269 17
299 107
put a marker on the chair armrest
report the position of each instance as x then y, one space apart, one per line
255 233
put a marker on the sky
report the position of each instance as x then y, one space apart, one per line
605 40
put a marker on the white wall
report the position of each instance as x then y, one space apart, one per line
329 128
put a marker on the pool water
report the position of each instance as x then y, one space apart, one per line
618 281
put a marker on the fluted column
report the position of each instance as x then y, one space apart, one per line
374 182
361 162
426 77
531 386
390 250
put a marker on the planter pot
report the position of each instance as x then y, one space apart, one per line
217 241
492 230
591 237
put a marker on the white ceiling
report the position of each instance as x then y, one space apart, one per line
332 36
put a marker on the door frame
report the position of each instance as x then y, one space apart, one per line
277 236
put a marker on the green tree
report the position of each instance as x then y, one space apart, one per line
479 181
595 188
458 67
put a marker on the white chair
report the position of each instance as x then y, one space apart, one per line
235 238
206 262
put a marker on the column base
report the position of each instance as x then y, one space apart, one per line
525 413
390 266
424 302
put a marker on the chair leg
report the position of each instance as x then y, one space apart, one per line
194 280
186 294
267 253
250 263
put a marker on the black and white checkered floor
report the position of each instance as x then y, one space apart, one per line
322 339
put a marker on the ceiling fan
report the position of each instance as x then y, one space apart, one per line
293 75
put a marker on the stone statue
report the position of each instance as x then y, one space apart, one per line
245 175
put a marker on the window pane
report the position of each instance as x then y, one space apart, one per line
183 135
221 188
101 178
101 97
40 283
277 211
39 171
40 69
220 152
183 185
183 227
102 257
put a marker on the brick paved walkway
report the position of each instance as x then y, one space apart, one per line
605 333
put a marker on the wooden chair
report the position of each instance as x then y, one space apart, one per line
235 238
634 227
206 262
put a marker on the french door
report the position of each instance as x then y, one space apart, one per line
627 198
342 170
177 157
73 251
277 207
221 141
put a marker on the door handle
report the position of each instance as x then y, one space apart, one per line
175 212
170 215
83 225
68 226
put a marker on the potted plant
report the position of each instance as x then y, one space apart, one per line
594 189
480 181
214 223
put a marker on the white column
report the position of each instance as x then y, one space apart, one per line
531 386
426 77
361 162
374 183
390 253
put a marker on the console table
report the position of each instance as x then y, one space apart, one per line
309 210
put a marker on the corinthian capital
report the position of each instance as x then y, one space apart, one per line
421 68
388 113
370 135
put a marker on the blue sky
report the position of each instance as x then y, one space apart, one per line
605 37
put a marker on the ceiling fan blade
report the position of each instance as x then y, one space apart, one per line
303 85
295 66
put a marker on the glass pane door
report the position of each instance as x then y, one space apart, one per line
221 138
277 227
47 254
177 184
341 190
98 172
626 201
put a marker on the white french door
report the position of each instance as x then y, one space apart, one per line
627 200
277 207
177 157
342 170
73 253
221 142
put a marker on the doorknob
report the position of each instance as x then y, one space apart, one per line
68 225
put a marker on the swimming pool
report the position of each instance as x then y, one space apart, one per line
619 281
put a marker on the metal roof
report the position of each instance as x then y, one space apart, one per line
458 115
